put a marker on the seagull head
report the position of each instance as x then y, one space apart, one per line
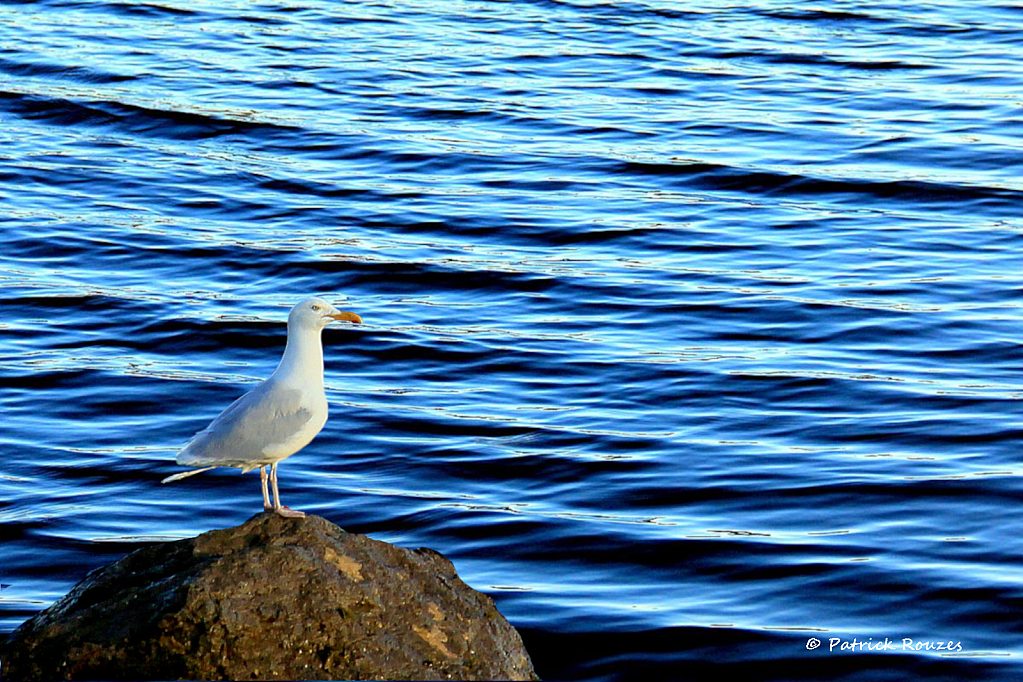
315 313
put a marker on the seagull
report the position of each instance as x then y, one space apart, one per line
277 418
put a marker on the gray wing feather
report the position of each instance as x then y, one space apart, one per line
267 415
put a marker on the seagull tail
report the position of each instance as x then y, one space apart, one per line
186 474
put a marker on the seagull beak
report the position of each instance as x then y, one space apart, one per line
348 317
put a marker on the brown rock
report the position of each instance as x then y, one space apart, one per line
274 598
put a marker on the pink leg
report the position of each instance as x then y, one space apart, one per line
263 478
286 512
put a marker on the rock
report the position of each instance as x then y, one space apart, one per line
274 598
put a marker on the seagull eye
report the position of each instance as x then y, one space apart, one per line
316 308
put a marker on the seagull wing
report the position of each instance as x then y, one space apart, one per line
254 430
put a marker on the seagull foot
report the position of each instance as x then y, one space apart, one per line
289 513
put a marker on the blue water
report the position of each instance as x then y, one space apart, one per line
693 331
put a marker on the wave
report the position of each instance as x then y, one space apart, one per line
705 175
134 119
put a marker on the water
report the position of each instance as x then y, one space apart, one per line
693 330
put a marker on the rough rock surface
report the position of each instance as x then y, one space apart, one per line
271 599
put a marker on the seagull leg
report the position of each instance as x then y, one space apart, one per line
263 478
286 512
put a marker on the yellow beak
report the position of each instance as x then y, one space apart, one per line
348 317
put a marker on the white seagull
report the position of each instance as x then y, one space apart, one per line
277 418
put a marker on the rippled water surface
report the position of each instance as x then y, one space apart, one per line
693 330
